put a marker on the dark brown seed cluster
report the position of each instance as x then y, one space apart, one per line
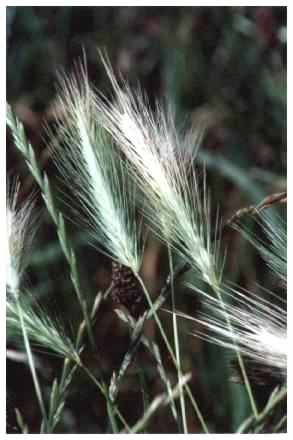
127 290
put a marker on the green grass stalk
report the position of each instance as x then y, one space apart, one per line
32 366
176 344
164 336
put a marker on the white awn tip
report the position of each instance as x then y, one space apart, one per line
20 230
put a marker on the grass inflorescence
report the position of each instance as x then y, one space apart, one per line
128 172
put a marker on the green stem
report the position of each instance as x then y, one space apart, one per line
32 365
111 415
111 408
177 347
280 396
280 423
238 354
163 334
67 364
251 421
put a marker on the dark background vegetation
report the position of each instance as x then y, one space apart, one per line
224 64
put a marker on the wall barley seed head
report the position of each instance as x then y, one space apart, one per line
258 325
93 170
161 165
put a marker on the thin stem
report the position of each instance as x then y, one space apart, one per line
150 347
136 339
32 365
111 415
159 401
279 397
163 334
253 210
281 422
250 422
238 354
78 343
166 289
111 408
177 347
163 296
123 421
247 383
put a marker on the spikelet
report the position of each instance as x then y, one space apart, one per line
21 226
20 230
259 324
95 174
161 160
259 329
45 333
274 249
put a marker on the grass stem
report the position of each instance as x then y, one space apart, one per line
164 336
32 366
238 354
176 343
